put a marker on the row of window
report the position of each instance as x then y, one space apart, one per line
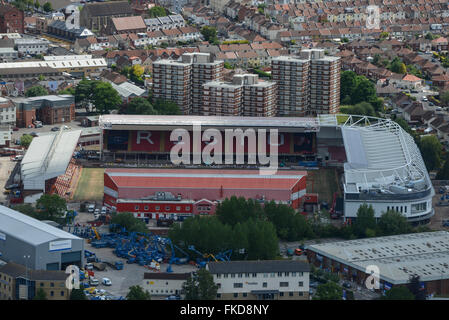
265 275
281 294
265 284
158 208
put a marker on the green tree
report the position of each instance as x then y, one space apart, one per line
444 98
70 91
27 209
157 11
129 222
397 66
393 222
329 291
416 289
200 286
47 7
362 108
166 107
137 293
227 65
209 34
40 295
84 92
37 5
234 210
105 97
398 293
347 84
77 294
140 105
36 91
384 35
443 173
25 140
431 150
364 90
365 221
51 206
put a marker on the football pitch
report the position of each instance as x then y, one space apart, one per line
90 186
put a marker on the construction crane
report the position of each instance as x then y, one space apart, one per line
225 255
97 236
173 258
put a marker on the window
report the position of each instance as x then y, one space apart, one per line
240 275
281 294
283 284
264 285
218 285
286 274
62 293
238 285
232 275
158 208
300 274
265 275
254 275
225 275
136 208
290 294
272 275
52 284
146 208
52 293
301 283
218 295
244 294
218 276
300 294
279 274
236 295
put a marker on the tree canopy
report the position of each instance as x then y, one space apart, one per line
101 94
158 11
40 295
393 222
329 291
166 107
209 34
137 293
398 293
77 294
200 286
365 223
140 105
47 7
129 222
36 91
25 140
51 206
431 150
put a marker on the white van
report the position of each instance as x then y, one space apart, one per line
91 208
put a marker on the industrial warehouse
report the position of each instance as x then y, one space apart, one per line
396 257
35 244
179 193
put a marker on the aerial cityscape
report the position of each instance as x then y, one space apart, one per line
229 150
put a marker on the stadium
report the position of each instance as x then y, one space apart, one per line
378 162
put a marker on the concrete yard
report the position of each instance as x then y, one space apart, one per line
132 274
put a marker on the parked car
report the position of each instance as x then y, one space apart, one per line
103 210
55 129
97 211
106 281
93 281
347 285
33 134
15 129
91 208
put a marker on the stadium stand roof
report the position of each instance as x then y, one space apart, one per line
47 157
28 229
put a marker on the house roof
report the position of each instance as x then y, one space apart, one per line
129 23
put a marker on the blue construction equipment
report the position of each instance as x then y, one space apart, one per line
224 256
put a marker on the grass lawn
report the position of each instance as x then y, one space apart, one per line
91 185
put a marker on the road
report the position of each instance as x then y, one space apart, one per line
45 129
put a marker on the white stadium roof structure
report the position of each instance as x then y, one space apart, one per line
47 157
381 158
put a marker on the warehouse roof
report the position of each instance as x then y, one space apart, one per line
205 179
398 257
49 155
265 266
28 229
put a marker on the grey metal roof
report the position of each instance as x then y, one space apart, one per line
266 266
17 270
28 229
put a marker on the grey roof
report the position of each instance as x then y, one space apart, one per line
265 266
108 8
17 270
28 229
48 156
397 257
166 276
